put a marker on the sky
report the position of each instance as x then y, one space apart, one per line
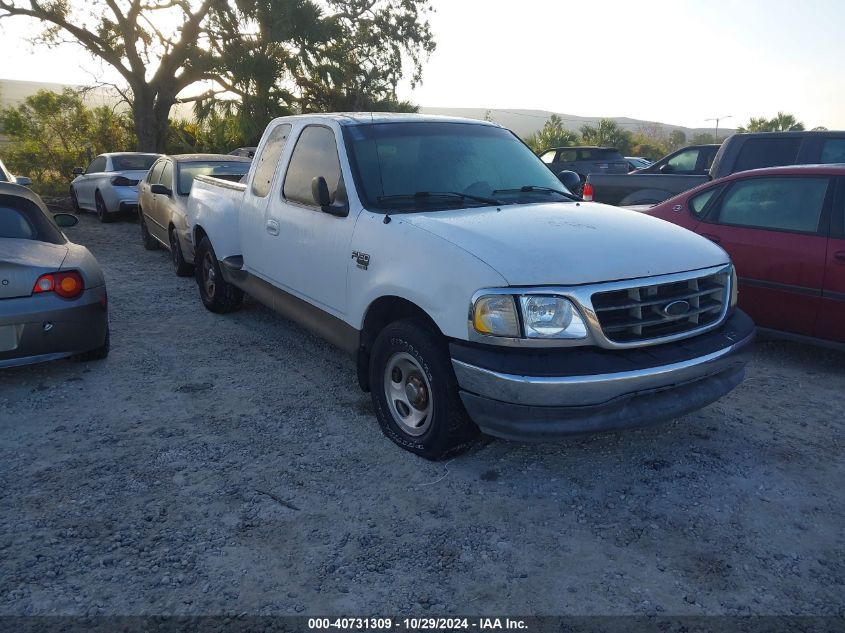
679 62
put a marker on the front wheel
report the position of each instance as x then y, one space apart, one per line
216 293
415 393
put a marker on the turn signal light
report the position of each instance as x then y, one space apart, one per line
66 284
587 194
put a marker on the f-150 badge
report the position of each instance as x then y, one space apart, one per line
362 259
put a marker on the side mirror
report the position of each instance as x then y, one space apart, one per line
65 220
160 189
23 181
78 171
321 195
320 191
571 181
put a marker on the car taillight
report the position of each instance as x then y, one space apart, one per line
587 194
123 181
68 285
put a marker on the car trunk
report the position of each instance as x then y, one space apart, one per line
22 262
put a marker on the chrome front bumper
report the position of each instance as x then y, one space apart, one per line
531 407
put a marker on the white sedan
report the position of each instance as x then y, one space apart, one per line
110 183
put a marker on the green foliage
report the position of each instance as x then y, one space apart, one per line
51 133
553 134
705 138
607 133
783 122
677 140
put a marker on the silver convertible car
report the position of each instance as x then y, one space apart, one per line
53 301
109 184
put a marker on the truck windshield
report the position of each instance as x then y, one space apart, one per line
402 166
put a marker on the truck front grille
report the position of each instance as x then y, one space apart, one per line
642 313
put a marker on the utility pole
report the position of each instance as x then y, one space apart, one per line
717 119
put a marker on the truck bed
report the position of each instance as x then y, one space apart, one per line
214 209
638 189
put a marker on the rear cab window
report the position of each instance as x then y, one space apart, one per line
267 161
833 151
600 154
756 153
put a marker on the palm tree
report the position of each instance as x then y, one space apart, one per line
553 134
784 122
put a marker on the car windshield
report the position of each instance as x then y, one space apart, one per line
22 219
227 170
428 165
133 162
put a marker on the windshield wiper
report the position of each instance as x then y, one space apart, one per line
529 188
425 195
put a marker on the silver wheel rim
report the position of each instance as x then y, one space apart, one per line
408 394
209 275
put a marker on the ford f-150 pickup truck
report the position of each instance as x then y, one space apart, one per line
472 288
693 166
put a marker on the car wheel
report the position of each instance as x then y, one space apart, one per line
415 393
95 354
216 293
102 213
147 240
74 201
183 268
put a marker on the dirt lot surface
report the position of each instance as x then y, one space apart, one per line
229 464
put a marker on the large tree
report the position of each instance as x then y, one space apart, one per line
285 55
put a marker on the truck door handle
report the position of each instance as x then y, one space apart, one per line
712 238
272 227
840 255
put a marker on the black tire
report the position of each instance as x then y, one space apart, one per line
149 242
217 294
74 201
182 268
448 429
95 354
102 213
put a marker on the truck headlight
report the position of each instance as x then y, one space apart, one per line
495 315
734 287
546 316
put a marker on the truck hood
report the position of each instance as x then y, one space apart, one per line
569 243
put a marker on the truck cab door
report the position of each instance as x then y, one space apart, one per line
314 259
831 322
259 224
774 229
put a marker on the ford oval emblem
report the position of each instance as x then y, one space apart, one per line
676 308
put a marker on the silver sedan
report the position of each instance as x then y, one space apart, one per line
109 184
53 301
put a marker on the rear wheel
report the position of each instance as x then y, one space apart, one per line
415 393
102 213
95 354
216 293
147 240
182 268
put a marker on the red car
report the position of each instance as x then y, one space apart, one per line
784 228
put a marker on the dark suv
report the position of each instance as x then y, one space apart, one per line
585 161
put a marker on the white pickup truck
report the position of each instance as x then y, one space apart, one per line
473 290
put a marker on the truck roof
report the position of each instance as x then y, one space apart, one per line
831 169
368 118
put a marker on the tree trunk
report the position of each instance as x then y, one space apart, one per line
151 113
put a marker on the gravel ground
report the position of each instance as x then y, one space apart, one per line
229 464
